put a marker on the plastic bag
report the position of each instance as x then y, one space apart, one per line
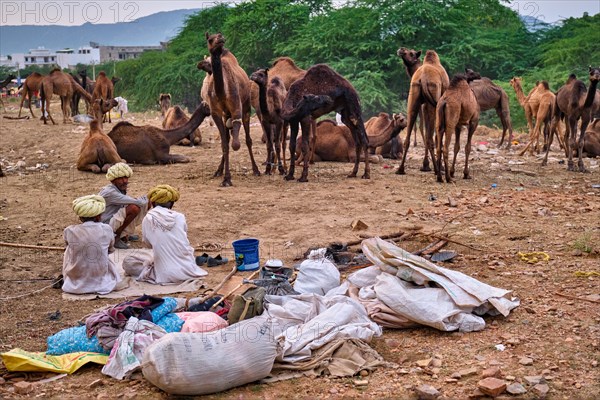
317 274
21 360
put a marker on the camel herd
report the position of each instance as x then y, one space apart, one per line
284 95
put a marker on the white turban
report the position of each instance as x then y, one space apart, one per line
118 170
89 206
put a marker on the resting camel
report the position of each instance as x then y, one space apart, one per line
591 145
176 117
427 85
104 89
543 115
32 85
98 152
228 91
4 84
63 85
489 95
150 145
336 94
380 124
412 62
335 142
576 103
457 107
271 95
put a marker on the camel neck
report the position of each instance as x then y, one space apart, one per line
175 135
262 99
591 94
412 68
520 94
384 136
217 67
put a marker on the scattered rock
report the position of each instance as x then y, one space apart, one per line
424 363
477 394
492 386
333 391
392 342
541 390
130 396
362 382
358 225
427 392
492 372
525 361
516 388
364 373
451 202
464 372
23 387
96 383
533 380
436 363
103 396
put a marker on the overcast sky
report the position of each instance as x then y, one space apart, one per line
74 12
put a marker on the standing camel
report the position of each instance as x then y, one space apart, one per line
228 90
412 62
63 85
4 84
427 85
457 107
576 103
271 95
543 115
104 89
489 95
31 86
529 103
319 92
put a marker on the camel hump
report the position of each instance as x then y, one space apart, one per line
383 115
121 124
326 121
283 60
101 73
179 113
431 57
457 80
545 85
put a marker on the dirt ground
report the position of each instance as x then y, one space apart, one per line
512 204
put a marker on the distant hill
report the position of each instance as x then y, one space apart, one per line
145 31
533 24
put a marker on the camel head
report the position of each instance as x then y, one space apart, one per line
409 56
515 82
205 65
164 100
471 75
399 121
101 107
82 73
215 42
594 74
115 79
260 76
457 79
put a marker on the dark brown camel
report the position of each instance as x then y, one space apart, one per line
149 144
271 95
576 103
31 86
4 84
427 85
321 80
63 85
104 89
412 62
98 152
489 95
457 107
176 117
228 89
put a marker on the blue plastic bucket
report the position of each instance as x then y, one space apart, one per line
246 254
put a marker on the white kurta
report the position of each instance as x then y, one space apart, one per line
174 262
86 266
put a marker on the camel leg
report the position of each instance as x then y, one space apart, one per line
571 142
504 116
221 127
306 126
90 167
278 138
447 139
584 123
456 149
472 127
293 137
429 138
174 158
48 112
23 95
246 123
268 133
284 130
439 155
313 140
413 110
550 140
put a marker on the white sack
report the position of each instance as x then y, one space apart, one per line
317 274
203 363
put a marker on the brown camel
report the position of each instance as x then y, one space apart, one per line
543 115
457 107
228 90
412 62
63 85
591 145
104 89
98 152
529 103
164 101
176 117
4 84
335 142
31 86
150 145
298 109
380 124
576 103
489 95
427 85
271 95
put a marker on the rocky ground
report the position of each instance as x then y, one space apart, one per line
549 346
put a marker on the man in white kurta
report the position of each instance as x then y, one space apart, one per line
166 231
86 265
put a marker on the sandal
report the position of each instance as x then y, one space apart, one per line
201 260
216 261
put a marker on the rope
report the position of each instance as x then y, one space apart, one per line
533 257
208 246
29 294
583 274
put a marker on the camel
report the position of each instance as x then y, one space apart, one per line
489 95
31 86
228 92
543 115
176 117
457 107
271 95
98 152
336 94
150 145
412 62
427 85
104 89
529 103
63 85
380 124
591 145
575 102
4 84
335 142
164 101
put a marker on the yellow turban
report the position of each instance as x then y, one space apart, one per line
162 194
89 206
118 170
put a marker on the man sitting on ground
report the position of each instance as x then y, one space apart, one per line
123 213
166 231
86 266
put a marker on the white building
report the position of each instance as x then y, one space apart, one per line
66 58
